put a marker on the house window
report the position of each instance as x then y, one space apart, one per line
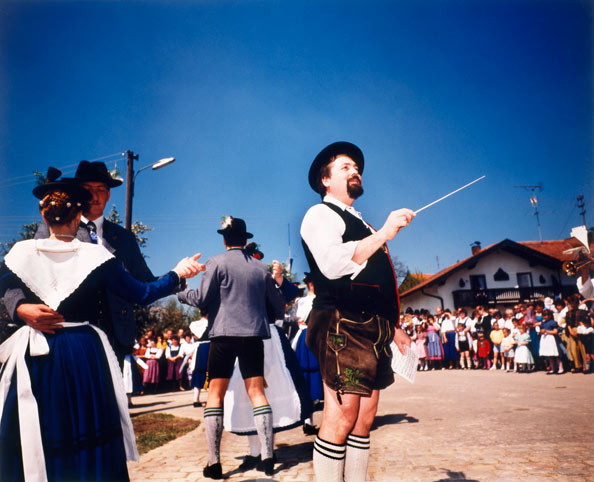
501 275
524 280
478 282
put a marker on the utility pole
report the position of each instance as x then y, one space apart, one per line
131 179
580 204
131 157
534 202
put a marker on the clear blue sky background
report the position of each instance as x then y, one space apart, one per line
245 93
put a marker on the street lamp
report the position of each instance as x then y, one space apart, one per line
131 179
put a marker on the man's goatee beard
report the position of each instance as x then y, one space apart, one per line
354 190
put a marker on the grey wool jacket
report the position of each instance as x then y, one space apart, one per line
237 292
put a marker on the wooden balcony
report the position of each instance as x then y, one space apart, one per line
508 296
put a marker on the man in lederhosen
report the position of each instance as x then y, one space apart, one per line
355 313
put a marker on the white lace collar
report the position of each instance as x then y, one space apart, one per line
53 269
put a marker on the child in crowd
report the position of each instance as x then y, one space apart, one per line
549 329
174 357
483 351
496 338
507 345
420 346
152 356
523 358
463 342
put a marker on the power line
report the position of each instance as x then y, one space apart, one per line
29 177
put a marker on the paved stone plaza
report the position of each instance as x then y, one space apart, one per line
482 426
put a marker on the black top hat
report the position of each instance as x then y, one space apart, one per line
326 154
66 184
95 172
234 228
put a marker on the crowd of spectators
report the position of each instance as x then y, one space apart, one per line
556 336
164 361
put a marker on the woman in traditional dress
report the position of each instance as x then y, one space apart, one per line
63 407
199 358
308 363
434 347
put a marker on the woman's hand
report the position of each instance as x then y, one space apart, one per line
189 267
40 317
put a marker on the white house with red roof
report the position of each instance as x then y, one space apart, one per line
502 274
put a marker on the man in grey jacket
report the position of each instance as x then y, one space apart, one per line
239 294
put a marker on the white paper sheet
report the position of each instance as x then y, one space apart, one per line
404 365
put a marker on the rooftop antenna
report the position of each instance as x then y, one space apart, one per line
534 202
581 205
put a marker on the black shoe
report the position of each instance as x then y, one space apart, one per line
310 429
197 404
268 465
213 471
249 462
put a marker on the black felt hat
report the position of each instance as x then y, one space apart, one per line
66 184
326 154
95 172
234 228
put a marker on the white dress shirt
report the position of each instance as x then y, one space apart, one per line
322 230
586 287
99 225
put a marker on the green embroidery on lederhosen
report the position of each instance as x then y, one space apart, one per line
352 377
337 341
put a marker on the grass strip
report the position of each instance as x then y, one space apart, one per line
155 429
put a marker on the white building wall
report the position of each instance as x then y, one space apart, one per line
486 266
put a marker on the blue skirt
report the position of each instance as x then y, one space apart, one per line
449 349
199 373
310 368
78 412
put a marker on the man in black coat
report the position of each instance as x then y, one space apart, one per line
117 317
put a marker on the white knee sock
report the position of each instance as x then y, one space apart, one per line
263 421
328 461
357 456
213 423
196 394
255 447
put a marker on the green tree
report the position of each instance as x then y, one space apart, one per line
137 227
165 315
410 281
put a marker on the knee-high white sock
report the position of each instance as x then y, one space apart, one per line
255 447
357 456
263 421
213 423
328 461
196 394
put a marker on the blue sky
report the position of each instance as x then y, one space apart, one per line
245 93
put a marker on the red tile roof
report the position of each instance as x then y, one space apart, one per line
552 250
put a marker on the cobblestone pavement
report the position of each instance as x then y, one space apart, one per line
483 426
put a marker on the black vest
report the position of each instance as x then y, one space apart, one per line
373 290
